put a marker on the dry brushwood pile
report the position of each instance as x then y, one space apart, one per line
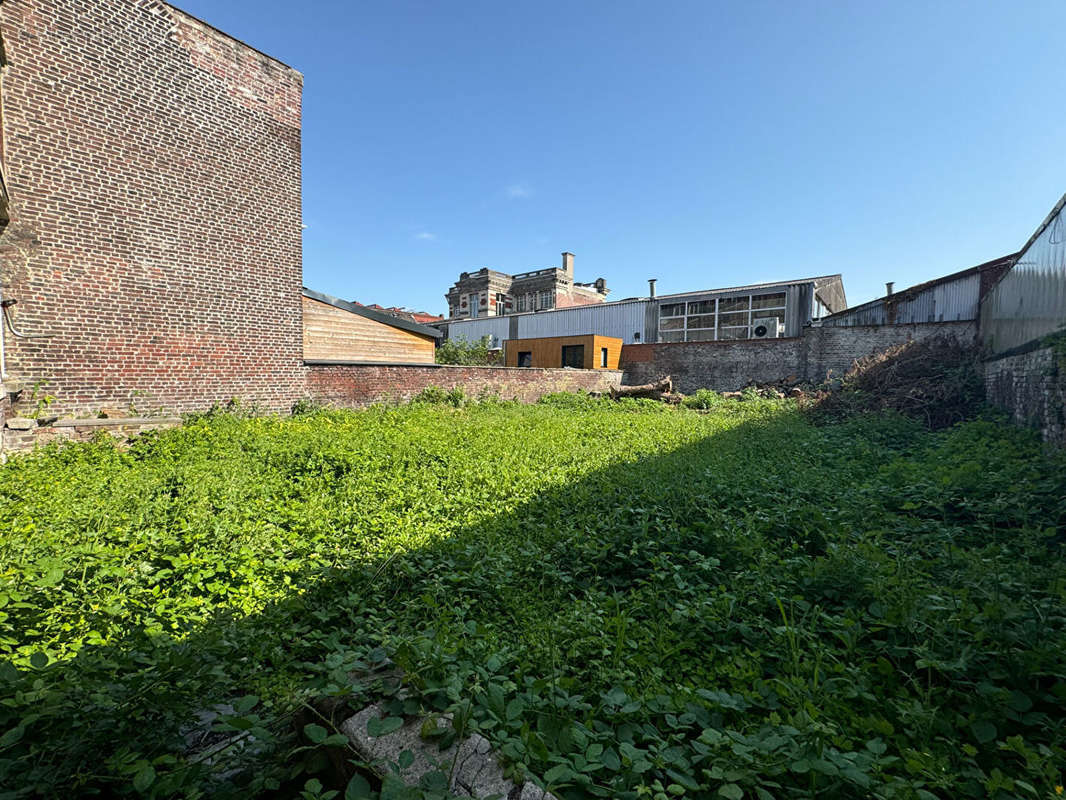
936 380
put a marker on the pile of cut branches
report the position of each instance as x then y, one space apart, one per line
936 380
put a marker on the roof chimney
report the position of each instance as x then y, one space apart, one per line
651 287
568 265
888 288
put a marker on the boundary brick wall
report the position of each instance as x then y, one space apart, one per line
722 366
817 354
830 352
153 167
352 386
1031 386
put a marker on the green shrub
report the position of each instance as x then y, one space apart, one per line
463 352
703 399
434 395
575 401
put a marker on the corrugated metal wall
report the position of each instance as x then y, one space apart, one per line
951 301
1030 301
474 329
619 320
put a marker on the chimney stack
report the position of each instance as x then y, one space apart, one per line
888 288
568 265
651 287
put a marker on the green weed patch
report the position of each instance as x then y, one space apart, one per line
630 602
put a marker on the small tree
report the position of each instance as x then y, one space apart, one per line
461 351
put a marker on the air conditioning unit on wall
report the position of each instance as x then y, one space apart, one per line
766 328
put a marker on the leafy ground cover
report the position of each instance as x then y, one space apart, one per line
629 600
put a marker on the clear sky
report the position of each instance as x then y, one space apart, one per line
702 143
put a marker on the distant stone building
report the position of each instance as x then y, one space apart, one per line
488 293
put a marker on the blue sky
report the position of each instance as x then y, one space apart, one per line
705 144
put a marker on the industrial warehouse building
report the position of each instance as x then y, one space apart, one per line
739 312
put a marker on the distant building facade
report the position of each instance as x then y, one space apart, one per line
737 312
489 293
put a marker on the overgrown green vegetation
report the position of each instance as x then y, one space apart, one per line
729 604
463 352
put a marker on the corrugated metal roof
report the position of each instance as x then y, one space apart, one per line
951 298
754 287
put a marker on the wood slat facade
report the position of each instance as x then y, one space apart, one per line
548 351
334 334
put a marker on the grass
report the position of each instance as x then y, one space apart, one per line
629 601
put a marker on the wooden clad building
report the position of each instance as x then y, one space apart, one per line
579 352
339 332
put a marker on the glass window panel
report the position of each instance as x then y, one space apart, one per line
732 333
740 318
672 336
573 355
701 336
672 310
701 322
733 304
702 307
676 323
768 300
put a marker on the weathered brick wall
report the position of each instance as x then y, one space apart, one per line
817 354
722 366
153 165
830 352
360 385
1032 388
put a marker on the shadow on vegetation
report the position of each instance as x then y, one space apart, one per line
802 612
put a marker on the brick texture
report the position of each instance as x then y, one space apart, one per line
354 386
817 354
153 166
1032 388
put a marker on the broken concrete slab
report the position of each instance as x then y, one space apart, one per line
387 749
472 767
21 423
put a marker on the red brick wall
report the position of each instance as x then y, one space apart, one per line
353 386
153 165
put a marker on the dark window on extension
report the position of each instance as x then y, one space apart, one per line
603 356
525 358
574 356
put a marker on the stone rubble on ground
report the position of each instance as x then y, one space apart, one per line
474 770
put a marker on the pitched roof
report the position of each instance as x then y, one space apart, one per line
370 313
752 287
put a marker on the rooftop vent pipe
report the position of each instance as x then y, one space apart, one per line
888 288
651 287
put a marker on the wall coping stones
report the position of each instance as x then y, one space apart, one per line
487 367
113 422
